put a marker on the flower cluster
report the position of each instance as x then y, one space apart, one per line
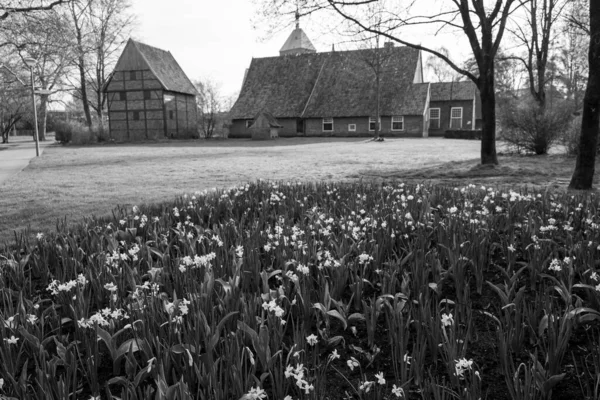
55 287
297 373
103 318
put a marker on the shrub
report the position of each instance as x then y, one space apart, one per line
531 129
570 138
63 131
74 132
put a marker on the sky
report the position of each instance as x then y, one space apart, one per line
217 39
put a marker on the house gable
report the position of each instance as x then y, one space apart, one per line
141 57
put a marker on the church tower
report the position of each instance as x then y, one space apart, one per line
297 42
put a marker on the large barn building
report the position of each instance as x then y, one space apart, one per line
334 93
150 97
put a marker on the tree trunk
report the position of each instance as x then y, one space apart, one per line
84 95
583 176
488 111
377 107
43 117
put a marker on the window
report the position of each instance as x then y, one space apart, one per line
132 76
372 124
249 123
351 127
327 124
434 117
147 94
171 114
122 96
456 117
136 115
398 123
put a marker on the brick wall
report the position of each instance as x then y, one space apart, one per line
413 127
445 107
238 130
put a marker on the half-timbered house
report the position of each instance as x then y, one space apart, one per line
150 97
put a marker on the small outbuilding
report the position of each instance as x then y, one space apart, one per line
265 127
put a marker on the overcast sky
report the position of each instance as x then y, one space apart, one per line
215 38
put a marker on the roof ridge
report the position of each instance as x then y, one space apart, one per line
314 88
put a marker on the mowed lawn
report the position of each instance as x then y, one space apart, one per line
76 182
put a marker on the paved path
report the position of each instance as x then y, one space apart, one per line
17 154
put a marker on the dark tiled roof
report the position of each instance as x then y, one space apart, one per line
415 100
334 84
166 69
445 91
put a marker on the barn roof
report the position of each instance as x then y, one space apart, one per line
333 84
445 91
137 56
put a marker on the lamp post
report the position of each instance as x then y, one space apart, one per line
30 62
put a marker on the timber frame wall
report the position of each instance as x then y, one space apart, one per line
137 109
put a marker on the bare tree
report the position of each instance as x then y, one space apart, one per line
440 69
537 35
578 16
12 7
40 35
377 59
483 22
15 103
100 29
583 176
209 106
571 61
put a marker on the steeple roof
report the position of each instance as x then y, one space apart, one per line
297 42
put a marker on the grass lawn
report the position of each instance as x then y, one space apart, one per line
70 183
75 182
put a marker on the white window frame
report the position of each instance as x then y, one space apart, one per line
438 119
249 123
452 117
351 127
372 121
397 118
327 121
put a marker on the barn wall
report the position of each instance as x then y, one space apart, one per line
238 130
143 99
445 107
413 127
182 116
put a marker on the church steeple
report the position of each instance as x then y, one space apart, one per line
297 42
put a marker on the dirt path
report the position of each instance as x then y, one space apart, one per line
16 155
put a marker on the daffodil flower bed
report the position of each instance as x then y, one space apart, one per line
311 291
